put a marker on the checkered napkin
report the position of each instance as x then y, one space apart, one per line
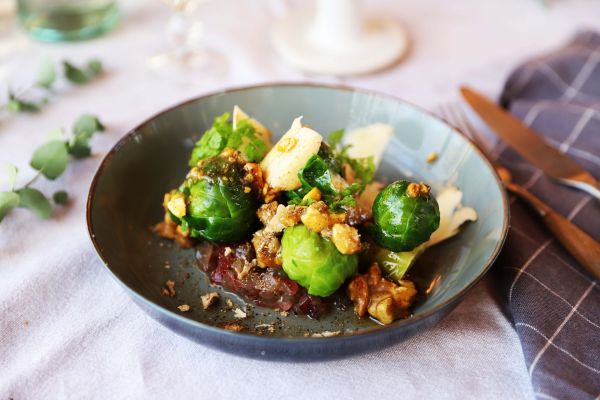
554 302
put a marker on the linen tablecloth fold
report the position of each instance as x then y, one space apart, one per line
555 304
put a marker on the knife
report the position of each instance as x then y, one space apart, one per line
530 145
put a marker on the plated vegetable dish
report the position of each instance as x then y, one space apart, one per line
302 224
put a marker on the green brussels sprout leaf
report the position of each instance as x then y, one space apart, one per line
393 264
314 262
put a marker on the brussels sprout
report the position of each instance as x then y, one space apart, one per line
219 207
314 262
405 215
393 264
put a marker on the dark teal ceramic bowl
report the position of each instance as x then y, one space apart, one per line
126 194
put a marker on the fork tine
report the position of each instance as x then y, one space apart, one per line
456 116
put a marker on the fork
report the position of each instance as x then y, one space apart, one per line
582 246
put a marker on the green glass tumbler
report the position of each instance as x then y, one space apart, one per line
66 20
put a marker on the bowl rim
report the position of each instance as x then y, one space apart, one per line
373 331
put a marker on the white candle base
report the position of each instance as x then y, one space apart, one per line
381 42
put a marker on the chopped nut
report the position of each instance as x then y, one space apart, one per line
237 313
169 230
227 251
233 327
418 189
169 289
345 238
242 267
314 194
431 157
209 299
184 308
315 217
268 249
381 307
358 291
266 212
284 217
176 205
386 300
284 313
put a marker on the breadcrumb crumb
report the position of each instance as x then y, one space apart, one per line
169 289
237 313
233 327
209 299
326 334
184 308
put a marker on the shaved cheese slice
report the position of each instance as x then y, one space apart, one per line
452 214
367 141
289 155
240 115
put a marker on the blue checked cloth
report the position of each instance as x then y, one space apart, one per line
554 303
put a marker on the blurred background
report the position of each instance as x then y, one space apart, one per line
431 45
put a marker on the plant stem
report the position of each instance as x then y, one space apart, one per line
32 180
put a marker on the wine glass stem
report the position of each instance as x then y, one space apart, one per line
185 32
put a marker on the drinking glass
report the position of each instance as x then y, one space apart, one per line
186 58
60 20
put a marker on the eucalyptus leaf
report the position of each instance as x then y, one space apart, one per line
74 74
8 201
87 124
16 105
11 171
94 67
46 74
34 200
56 134
78 146
51 158
61 197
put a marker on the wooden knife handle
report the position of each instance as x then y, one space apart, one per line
581 245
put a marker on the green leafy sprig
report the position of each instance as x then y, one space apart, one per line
46 78
364 168
50 161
